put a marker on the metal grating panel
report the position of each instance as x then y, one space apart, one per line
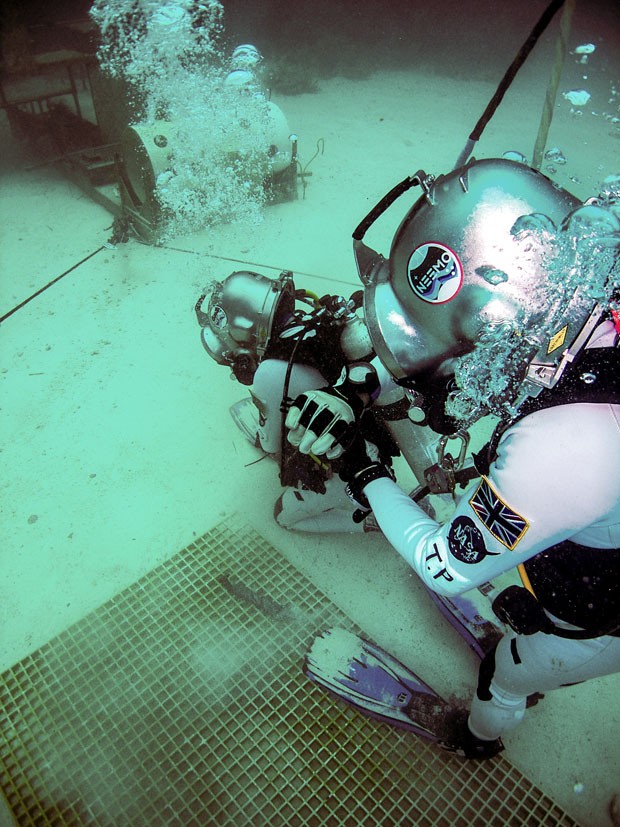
182 702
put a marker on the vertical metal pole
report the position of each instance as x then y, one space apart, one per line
74 91
561 47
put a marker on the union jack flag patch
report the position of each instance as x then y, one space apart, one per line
499 518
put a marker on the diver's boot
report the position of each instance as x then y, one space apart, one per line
370 523
299 509
533 699
459 739
478 749
245 416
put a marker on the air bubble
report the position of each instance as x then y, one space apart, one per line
535 223
556 156
515 155
216 135
578 97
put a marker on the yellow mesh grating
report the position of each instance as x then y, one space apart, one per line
182 702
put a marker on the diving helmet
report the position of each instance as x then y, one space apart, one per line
244 65
470 263
245 56
243 312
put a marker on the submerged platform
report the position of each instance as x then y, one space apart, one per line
181 701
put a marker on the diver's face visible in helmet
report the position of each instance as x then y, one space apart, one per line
467 259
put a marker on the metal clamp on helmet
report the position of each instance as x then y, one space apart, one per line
243 312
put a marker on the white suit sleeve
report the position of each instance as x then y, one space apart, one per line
416 537
556 477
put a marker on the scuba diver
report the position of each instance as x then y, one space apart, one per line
281 341
499 298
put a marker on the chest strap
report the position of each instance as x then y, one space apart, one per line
591 600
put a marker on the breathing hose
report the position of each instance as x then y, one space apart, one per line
506 81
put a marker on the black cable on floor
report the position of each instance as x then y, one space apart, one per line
49 284
248 263
174 249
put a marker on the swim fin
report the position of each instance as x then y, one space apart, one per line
377 684
245 417
472 617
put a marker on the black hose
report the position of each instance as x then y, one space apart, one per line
386 201
509 76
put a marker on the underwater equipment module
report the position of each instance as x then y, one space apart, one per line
181 167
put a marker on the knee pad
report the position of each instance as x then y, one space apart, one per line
497 713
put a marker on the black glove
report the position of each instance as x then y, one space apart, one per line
322 422
357 470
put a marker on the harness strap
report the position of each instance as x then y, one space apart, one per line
590 601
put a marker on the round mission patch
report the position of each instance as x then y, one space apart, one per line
465 541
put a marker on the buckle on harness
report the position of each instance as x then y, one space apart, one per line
441 477
547 376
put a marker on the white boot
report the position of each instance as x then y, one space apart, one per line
298 509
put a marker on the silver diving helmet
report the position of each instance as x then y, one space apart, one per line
242 313
244 69
481 263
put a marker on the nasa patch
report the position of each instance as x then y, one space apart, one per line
435 272
466 542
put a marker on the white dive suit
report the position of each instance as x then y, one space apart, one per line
556 477
555 483
300 508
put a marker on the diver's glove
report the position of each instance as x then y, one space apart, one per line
357 469
322 422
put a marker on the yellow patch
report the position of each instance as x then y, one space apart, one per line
557 340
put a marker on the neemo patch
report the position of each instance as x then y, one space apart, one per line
435 273
218 317
504 523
